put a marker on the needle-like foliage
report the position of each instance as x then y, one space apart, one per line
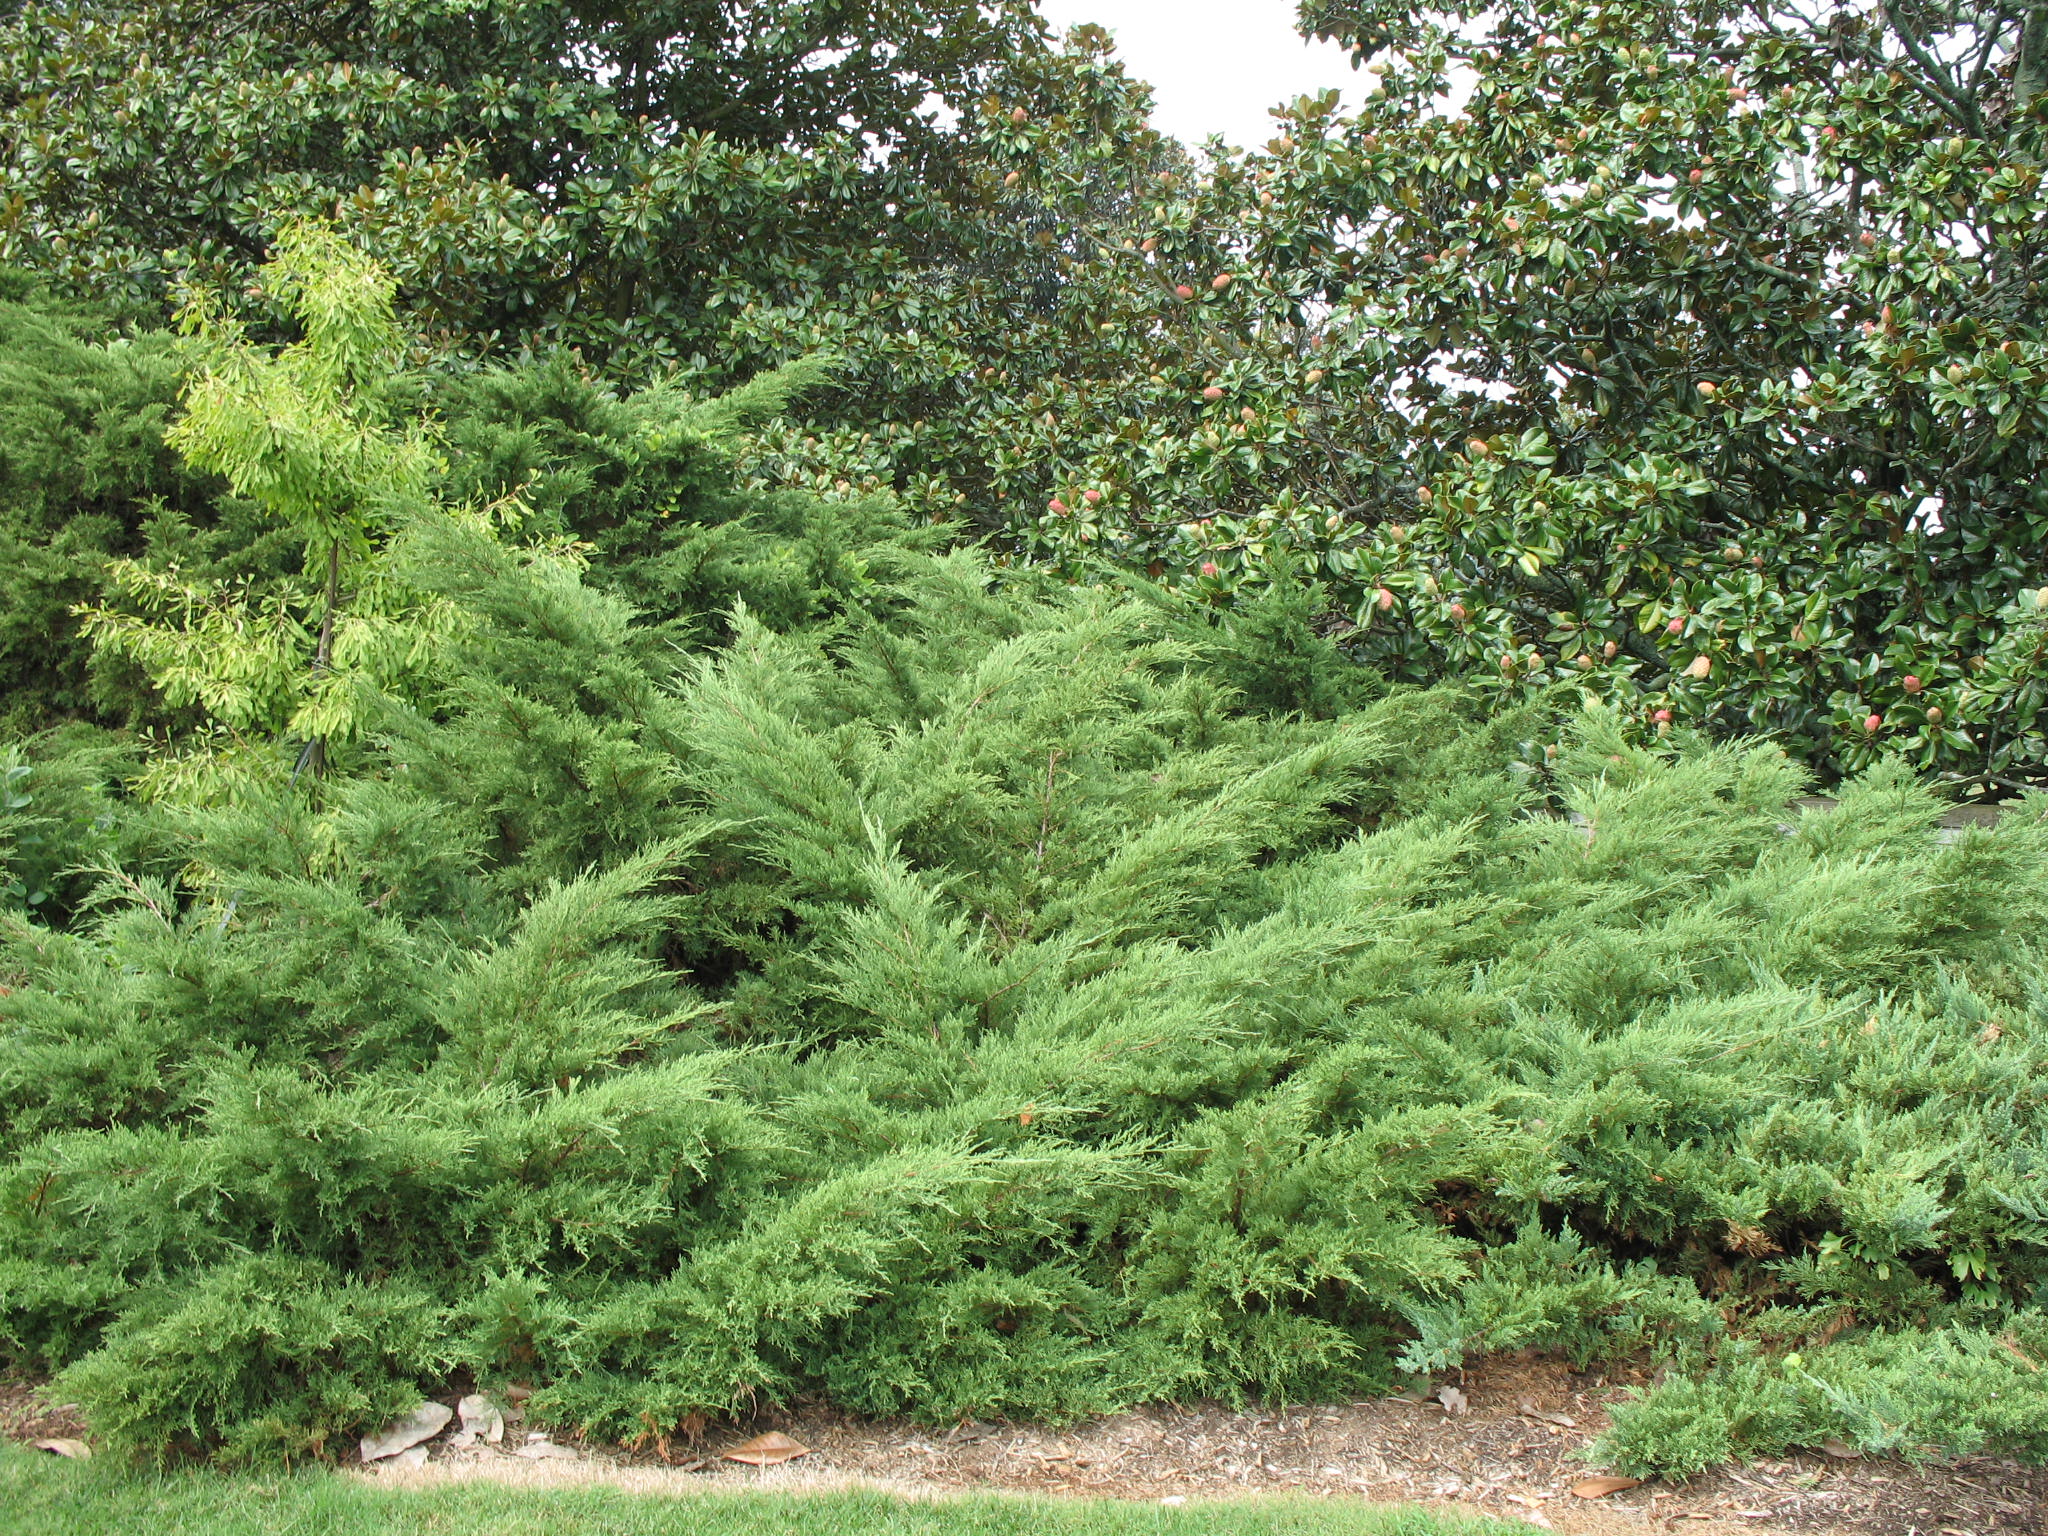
959 1002
875 974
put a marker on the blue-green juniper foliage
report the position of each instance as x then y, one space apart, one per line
849 968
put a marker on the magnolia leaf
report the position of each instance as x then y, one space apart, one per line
769 1450
74 1450
1600 1487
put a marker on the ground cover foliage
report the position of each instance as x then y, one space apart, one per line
874 974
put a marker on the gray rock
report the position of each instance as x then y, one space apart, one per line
482 1419
546 1450
423 1423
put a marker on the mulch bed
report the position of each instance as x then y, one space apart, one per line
1509 1448
1506 1442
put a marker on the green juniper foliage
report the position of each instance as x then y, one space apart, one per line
85 478
955 998
761 950
145 589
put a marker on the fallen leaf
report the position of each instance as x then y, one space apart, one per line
423 1423
75 1450
1531 1411
1454 1401
1600 1487
1827 1331
1835 1447
769 1450
2011 1346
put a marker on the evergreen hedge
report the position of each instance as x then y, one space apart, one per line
752 948
956 994
85 478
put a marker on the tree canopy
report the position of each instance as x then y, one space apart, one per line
1693 349
532 171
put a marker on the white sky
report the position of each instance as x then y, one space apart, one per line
1215 66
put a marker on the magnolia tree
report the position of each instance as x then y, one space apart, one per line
1691 357
533 173
1690 354
1719 330
1696 359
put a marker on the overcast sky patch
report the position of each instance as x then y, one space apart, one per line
1216 66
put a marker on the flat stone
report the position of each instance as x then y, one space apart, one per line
423 1423
482 1419
546 1450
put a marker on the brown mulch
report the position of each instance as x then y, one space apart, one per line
1504 1444
1510 1450
27 1414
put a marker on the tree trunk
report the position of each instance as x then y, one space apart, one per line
2030 68
316 753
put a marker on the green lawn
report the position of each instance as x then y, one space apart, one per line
42 1496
